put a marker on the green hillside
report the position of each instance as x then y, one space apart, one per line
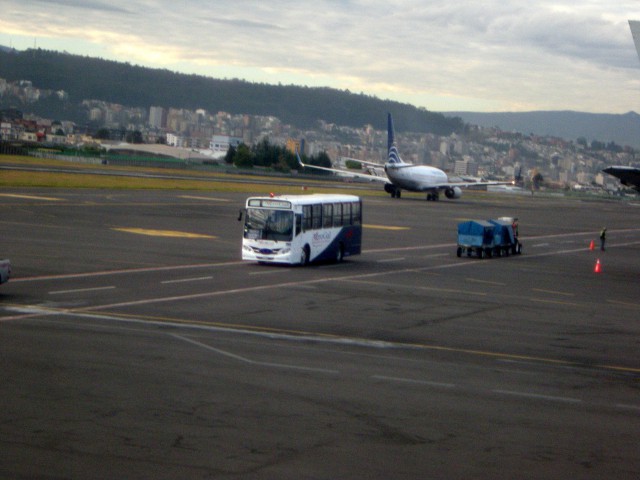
93 78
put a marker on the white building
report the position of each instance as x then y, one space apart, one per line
220 143
174 140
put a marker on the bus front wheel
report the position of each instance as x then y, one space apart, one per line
304 256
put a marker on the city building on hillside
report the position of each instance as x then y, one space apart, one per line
466 167
157 117
294 146
220 143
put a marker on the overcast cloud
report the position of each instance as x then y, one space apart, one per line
441 55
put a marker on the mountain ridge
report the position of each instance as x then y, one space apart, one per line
116 82
622 129
94 78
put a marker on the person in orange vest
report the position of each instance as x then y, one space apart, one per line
603 237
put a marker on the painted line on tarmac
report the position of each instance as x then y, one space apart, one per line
82 290
486 282
32 312
413 381
553 292
271 272
385 227
391 260
185 280
253 362
66 276
406 249
556 302
624 304
434 255
209 199
537 396
162 233
414 287
31 197
319 337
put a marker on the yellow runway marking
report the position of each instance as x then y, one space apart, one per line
163 233
385 227
30 197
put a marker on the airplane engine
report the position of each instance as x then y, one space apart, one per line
453 192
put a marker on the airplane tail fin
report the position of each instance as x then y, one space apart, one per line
393 156
517 176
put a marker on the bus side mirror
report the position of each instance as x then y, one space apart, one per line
240 215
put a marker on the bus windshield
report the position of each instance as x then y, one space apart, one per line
266 224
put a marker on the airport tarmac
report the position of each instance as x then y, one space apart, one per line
136 343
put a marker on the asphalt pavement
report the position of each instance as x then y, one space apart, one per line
137 344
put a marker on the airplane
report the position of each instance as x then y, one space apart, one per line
629 176
406 176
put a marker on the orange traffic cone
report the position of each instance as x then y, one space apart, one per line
591 246
597 267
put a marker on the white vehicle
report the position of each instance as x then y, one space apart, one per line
298 229
5 270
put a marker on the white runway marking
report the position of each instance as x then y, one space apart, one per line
184 280
209 199
269 272
413 381
81 290
537 396
252 362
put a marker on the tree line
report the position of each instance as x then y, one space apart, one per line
266 155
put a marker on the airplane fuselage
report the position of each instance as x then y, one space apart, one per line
415 178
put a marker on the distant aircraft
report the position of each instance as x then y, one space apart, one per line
405 176
629 176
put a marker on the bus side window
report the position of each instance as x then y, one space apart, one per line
306 217
357 213
298 223
316 216
337 214
346 213
327 215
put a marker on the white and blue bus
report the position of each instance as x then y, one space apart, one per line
298 229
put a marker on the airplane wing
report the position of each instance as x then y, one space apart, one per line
365 162
375 178
473 184
629 176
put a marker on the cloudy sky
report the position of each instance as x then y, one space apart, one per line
493 55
